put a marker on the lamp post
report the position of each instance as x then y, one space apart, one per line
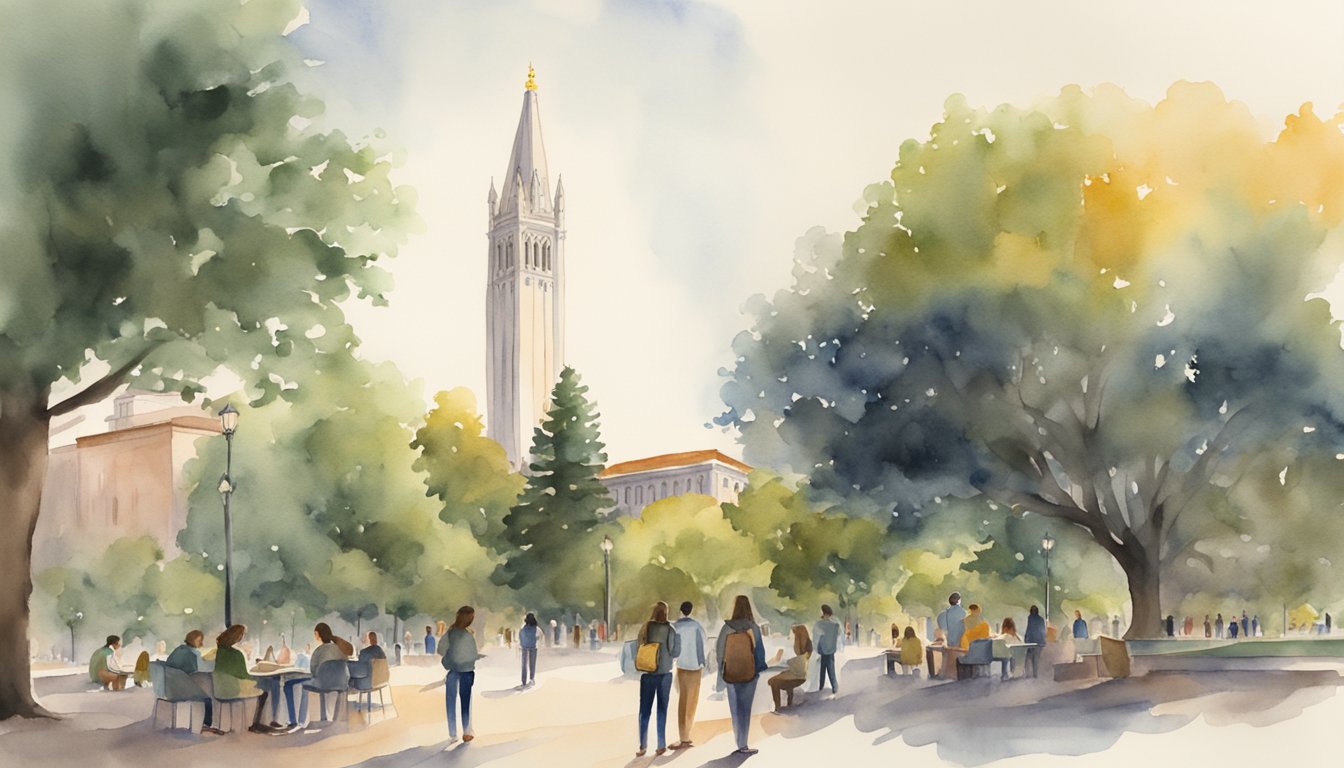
71 622
1047 544
228 420
607 546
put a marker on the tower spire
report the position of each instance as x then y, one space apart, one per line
527 157
531 83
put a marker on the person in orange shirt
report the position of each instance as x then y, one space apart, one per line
976 627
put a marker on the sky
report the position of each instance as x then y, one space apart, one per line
699 140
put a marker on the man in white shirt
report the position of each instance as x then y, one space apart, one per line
690 664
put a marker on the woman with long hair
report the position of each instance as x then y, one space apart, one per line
657 683
741 655
795 672
459 659
231 673
527 644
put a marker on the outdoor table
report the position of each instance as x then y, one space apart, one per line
946 657
282 675
1018 652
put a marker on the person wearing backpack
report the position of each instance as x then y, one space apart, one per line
741 655
827 633
658 645
459 658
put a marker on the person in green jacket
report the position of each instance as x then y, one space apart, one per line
103 666
230 663
459 658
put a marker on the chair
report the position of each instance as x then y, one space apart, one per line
172 686
1115 657
332 676
976 659
367 677
230 691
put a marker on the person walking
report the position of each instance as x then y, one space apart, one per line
1171 625
1232 629
795 671
431 643
741 654
827 633
690 670
952 621
1218 627
527 644
1255 625
1189 625
1035 635
656 680
1208 628
459 659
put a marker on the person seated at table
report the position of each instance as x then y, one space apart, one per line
795 673
1009 631
187 657
230 662
976 627
105 666
373 650
284 656
912 654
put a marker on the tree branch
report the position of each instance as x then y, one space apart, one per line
103 387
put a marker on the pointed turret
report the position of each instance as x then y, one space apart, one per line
493 200
527 159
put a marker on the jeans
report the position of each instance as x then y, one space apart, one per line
529 664
209 714
827 668
740 696
651 685
459 683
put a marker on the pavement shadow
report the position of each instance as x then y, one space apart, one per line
978 721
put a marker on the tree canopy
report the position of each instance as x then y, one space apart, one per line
1094 310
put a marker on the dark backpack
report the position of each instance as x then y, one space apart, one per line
739 656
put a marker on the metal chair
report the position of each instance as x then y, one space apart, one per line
229 692
331 677
366 677
172 686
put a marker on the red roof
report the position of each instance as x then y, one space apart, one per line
672 460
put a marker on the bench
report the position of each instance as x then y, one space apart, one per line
941 660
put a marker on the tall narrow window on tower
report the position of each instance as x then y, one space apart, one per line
525 329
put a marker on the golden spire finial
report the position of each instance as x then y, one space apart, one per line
531 84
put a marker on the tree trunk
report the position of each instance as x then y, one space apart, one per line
1144 576
23 467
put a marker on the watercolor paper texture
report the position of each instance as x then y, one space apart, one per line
972 372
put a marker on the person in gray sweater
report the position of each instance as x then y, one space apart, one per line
459 659
740 694
658 683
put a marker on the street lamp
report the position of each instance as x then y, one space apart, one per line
607 546
1047 544
71 622
228 420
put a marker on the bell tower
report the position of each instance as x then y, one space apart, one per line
525 288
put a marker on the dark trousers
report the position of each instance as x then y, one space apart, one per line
209 713
458 686
651 685
261 707
827 668
529 665
1033 660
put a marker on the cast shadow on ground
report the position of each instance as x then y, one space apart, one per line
979 721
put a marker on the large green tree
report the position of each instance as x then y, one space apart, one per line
557 525
172 205
1095 310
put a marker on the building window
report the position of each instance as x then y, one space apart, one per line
676 487
700 484
627 495
639 495
652 496
725 482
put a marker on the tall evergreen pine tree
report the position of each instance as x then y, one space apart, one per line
557 526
